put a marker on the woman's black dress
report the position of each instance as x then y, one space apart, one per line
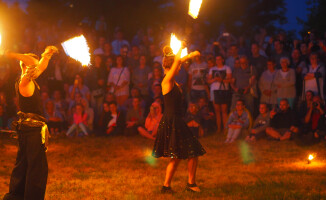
174 139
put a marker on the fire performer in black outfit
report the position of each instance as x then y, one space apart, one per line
29 176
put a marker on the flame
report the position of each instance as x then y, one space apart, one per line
194 7
77 49
0 39
175 45
311 157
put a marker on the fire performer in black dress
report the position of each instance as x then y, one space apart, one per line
29 176
174 139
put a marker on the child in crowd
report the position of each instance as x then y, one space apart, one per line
116 120
80 121
207 117
239 119
192 119
152 121
260 124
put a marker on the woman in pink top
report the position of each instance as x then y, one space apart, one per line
152 121
80 120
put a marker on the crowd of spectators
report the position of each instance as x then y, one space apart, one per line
261 85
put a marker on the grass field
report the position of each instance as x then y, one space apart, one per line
122 168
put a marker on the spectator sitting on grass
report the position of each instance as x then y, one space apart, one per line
90 114
80 121
207 118
116 122
314 112
260 124
152 121
238 120
53 117
135 117
192 119
283 123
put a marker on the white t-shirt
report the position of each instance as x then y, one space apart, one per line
198 73
219 72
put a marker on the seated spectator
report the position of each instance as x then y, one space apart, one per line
135 92
135 117
321 128
90 114
116 120
79 87
258 130
80 121
60 104
285 82
152 121
283 123
53 117
3 119
207 118
192 119
239 119
104 119
154 80
314 112
305 105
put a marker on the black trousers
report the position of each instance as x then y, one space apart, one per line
29 176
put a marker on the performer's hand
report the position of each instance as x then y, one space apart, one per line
51 50
195 53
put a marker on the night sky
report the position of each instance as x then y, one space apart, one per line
296 8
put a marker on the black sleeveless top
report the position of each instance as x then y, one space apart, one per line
32 104
173 102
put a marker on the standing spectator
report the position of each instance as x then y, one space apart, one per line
283 123
257 60
244 80
298 65
95 80
278 53
285 82
118 81
140 76
239 119
233 56
80 121
118 42
79 87
219 79
152 121
135 117
116 121
258 130
197 76
267 85
314 76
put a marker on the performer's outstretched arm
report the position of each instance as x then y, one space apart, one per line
25 58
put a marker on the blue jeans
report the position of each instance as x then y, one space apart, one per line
75 126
